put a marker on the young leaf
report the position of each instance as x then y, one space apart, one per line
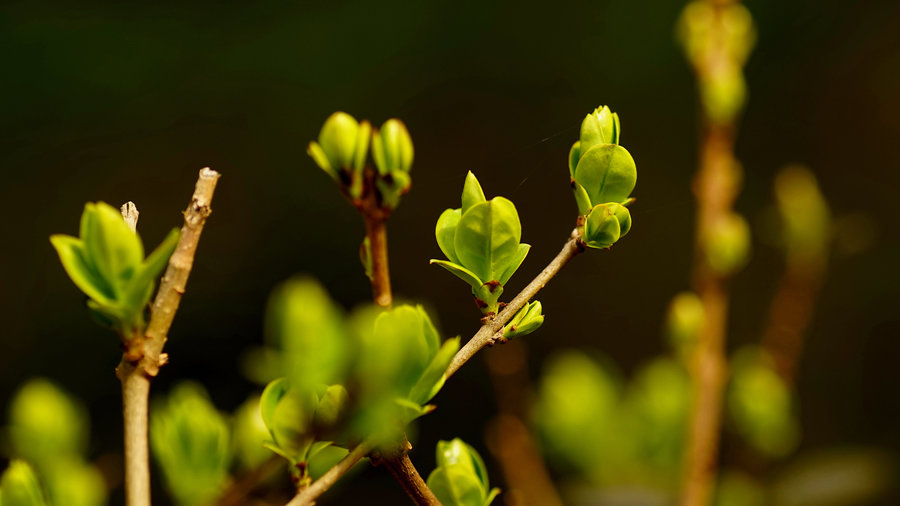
487 237
445 232
432 379
271 395
514 264
137 288
472 193
460 272
20 486
607 172
112 247
74 259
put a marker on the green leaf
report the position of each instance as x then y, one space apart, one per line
514 264
432 379
74 260
338 139
574 156
456 487
331 406
20 486
392 147
487 238
314 150
460 272
151 268
582 200
429 332
271 395
601 227
115 251
472 193
445 232
362 145
607 172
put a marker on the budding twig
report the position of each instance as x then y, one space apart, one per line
135 375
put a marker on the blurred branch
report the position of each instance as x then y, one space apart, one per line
492 330
508 436
136 375
715 188
403 470
241 488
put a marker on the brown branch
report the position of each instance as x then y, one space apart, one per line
492 330
376 232
403 470
308 496
715 188
135 375
528 481
241 488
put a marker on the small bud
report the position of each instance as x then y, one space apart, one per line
605 224
684 321
526 321
599 127
338 140
392 147
728 245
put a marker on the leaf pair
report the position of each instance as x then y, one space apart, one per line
526 321
602 173
481 242
107 263
460 478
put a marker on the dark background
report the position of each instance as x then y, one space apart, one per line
112 101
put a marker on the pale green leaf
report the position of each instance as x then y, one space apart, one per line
445 232
74 260
487 238
460 272
607 172
472 193
514 264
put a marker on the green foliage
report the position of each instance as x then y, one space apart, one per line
392 150
610 434
19 486
526 321
107 263
460 478
684 321
190 440
46 423
727 244
481 241
805 217
760 404
49 429
346 378
249 433
603 176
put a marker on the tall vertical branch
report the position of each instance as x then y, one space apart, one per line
715 187
135 375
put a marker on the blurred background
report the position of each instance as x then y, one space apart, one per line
114 102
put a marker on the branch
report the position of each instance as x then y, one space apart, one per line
492 331
135 375
715 188
376 232
308 496
403 470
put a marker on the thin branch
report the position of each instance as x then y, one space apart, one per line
376 232
130 214
715 188
492 330
135 375
308 496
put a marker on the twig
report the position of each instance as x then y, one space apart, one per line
308 496
403 470
492 330
130 214
376 232
135 375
